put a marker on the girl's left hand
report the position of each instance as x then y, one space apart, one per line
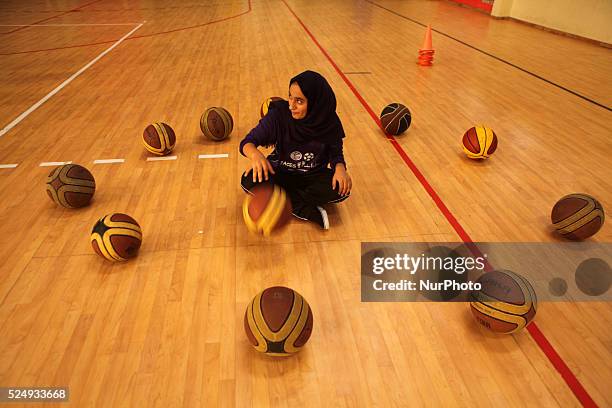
342 180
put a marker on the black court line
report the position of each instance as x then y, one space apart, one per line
601 105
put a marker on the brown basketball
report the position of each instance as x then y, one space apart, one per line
577 216
505 303
278 321
159 138
267 209
216 123
71 186
263 110
116 237
395 119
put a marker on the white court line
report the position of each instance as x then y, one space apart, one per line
105 161
161 158
212 156
48 164
32 108
67 25
8 166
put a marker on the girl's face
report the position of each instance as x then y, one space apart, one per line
298 104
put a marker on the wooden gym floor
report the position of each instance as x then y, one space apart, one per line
166 328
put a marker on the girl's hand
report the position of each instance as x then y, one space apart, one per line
342 179
261 166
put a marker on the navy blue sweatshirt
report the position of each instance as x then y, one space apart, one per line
289 155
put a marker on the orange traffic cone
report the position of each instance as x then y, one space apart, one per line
427 52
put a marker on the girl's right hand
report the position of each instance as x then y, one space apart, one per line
261 167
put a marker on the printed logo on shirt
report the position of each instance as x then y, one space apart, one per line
301 165
295 155
308 156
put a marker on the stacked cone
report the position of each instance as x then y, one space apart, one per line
427 52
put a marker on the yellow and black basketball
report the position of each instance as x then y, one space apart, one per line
479 142
266 209
116 237
505 303
278 321
577 216
395 119
159 138
71 186
263 111
216 123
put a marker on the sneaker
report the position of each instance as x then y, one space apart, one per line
325 223
317 215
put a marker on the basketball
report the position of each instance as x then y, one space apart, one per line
71 186
116 237
577 216
505 303
216 123
267 209
159 138
278 321
395 119
263 110
479 142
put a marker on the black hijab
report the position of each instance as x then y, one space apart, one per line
321 121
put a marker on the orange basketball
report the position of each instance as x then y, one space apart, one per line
278 321
267 209
479 142
263 110
505 303
116 237
71 186
577 216
159 138
216 123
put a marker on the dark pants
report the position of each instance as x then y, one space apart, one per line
306 191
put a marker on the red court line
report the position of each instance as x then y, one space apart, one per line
570 379
134 37
52 17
